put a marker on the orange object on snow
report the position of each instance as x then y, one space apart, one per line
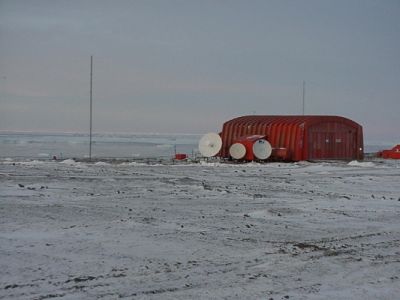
180 156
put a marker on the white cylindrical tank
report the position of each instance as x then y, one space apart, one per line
237 150
262 149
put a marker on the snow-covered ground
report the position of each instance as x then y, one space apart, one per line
72 230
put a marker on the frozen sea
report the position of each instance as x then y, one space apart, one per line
76 145
209 230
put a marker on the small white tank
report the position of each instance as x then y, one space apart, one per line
237 150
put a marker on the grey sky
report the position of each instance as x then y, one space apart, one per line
187 66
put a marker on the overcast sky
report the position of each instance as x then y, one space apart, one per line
188 66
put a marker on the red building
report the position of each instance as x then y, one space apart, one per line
295 138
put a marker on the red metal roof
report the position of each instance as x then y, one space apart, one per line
298 120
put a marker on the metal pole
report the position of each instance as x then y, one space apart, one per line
304 95
91 106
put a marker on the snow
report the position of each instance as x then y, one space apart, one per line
134 163
101 163
73 163
209 230
30 162
69 162
361 164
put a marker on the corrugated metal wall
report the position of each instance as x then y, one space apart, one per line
304 137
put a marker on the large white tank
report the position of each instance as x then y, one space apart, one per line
262 149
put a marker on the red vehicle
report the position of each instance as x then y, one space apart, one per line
394 153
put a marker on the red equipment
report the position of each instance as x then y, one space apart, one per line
180 156
280 154
394 153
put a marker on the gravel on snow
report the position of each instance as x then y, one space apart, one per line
199 231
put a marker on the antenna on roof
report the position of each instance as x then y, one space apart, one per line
91 105
304 95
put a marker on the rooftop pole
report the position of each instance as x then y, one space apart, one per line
304 95
91 106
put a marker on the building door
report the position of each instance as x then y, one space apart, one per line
332 145
320 145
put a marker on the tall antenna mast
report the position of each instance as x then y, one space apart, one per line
304 95
91 106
